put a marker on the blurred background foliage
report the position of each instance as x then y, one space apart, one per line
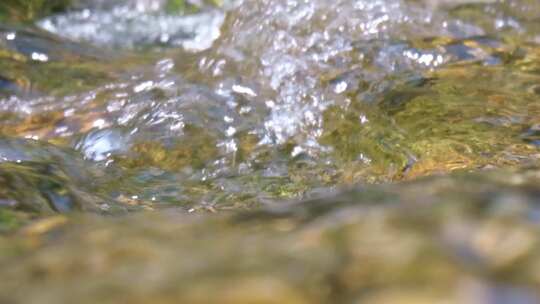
28 10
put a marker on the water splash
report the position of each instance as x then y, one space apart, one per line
266 99
136 25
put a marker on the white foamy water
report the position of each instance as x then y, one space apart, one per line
137 25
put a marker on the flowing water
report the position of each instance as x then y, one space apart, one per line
285 151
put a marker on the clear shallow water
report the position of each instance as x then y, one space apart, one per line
289 97
112 108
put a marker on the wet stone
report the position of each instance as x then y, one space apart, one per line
272 151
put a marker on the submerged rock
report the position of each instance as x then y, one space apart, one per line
464 238
30 56
42 179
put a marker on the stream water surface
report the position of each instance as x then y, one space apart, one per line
285 151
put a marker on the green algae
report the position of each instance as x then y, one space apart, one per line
201 149
10 221
452 118
187 7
